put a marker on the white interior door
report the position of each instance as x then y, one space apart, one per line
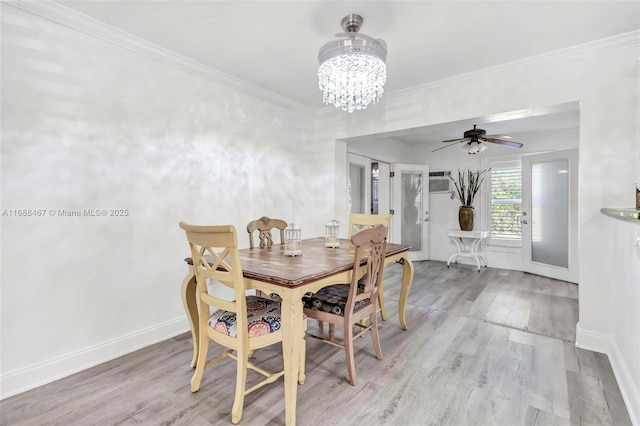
550 214
359 181
410 221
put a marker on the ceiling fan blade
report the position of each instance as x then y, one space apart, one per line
457 141
498 136
512 144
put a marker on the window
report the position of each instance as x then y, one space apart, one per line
505 203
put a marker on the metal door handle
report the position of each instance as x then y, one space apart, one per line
524 222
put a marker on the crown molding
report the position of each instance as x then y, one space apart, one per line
70 18
595 48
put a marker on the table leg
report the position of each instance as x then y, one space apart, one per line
189 295
475 251
407 279
381 308
459 250
292 344
453 257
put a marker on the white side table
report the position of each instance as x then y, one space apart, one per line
473 250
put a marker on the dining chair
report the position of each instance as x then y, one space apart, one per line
358 222
264 225
243 325
349 304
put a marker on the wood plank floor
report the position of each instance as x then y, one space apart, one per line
489 348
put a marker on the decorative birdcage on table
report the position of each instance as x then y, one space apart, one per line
332 234
293 240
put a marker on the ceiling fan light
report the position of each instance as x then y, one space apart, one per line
352 72
474 147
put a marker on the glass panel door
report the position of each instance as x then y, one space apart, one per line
356 188
359 191
549 214
411 208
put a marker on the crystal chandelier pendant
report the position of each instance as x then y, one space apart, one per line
352 72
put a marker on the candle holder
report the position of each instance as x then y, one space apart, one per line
332 234
292 240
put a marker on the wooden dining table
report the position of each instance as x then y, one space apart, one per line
270 271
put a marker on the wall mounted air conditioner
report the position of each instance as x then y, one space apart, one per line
439 182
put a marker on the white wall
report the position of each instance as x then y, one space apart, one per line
604 78
90 125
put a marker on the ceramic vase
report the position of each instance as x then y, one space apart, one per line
465 217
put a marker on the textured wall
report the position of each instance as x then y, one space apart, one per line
89 125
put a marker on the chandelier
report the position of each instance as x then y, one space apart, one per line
352 71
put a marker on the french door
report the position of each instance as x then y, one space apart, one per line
410 221
549 214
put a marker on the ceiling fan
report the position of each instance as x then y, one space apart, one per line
475 139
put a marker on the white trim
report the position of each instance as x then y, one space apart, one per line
581 51
77 21
604 343
72 19
24 379
630 393
592 340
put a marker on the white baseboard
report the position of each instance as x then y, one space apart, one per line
18 381
592 340
629 390
599 342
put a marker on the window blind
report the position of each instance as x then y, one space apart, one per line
506 203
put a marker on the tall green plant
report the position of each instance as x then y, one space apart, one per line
468 185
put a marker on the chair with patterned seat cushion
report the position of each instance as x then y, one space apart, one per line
242 325
358 222
348 304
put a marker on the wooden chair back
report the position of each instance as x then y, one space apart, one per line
358 222
264 225
214 250
375 240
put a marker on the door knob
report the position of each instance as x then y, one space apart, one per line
524 222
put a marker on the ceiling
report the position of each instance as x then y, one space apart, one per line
274 44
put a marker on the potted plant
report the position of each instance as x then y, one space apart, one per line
467 186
